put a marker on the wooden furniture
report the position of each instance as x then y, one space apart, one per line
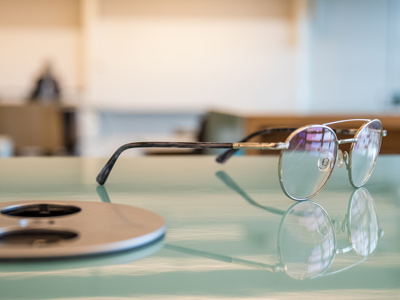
227 127
35 129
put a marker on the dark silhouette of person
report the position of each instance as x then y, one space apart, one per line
47 89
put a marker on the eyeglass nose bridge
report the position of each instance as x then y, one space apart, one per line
348 141
343 156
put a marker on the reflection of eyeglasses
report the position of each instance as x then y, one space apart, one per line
306 236
307 158
361 223
304 224
307 242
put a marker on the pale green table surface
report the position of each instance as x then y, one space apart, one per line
218 244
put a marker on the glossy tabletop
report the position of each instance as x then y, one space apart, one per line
231 232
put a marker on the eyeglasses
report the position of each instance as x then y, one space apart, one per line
307 157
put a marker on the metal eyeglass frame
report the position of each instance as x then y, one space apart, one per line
344 157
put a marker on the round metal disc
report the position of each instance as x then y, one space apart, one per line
58 229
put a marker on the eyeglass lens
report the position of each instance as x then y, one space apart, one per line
308 162
307 241
364 152
363 223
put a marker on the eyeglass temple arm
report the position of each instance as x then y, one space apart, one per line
228 181
105 172
224 156
103 175
223 258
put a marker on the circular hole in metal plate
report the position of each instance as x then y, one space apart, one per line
36 237
40 210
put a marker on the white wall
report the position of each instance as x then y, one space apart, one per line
393 55
164 54
195 54
31 33
353 58
258 55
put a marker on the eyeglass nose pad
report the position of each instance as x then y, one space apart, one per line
342 158
323 229
325 161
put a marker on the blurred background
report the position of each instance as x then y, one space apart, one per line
82 77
